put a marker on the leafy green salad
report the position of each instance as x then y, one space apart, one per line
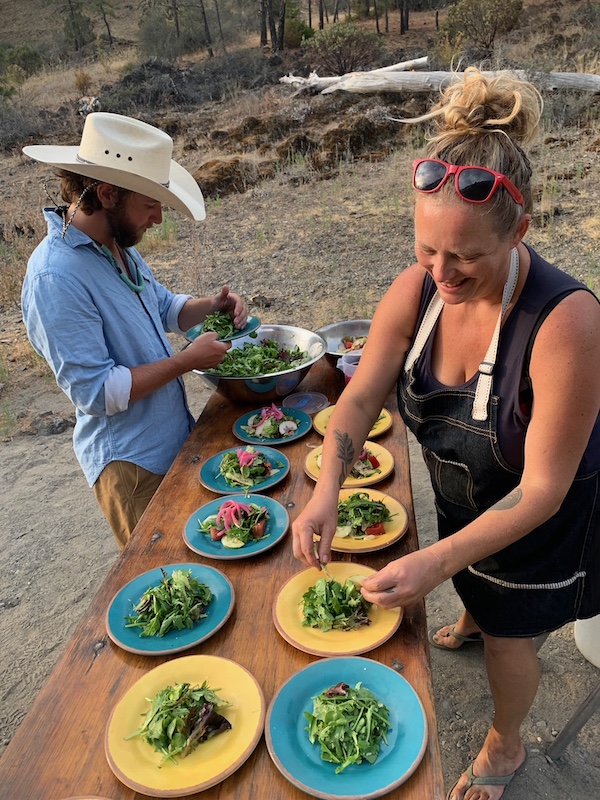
179 601
349 724
331 605
366 464
245 467
270 423
220 323
235 524
180 717
263 358
360 517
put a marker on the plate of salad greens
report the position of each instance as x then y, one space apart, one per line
382 424
222 324
209 529
246 469
324 613
164 759
368 520
169 609
295 717
373 465
272 425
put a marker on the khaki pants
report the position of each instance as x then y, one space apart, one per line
123 491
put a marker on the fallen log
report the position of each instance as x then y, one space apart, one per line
401 78
315 82
435 81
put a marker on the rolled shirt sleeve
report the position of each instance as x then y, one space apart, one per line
177 303
117 390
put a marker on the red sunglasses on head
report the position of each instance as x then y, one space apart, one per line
473 184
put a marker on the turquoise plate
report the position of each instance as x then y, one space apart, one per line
252 325
303 420
209 472
277 526
218 612
300 761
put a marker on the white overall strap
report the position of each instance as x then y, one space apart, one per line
433 311
486 368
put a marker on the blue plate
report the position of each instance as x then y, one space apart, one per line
300 761
210 477
303 420
277 526
252 325
121 606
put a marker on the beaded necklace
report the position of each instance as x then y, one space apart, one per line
139 284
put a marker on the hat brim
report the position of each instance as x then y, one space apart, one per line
182 193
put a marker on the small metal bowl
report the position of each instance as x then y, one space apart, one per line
334 333
263 389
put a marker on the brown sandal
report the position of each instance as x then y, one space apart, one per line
475 638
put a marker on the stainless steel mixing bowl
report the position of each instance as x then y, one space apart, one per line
334 333
269 388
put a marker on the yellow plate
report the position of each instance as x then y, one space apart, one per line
386 465
136 763
382 424
394 529
288 616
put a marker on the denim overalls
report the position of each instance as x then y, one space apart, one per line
550 576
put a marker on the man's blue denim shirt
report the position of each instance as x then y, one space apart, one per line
84 320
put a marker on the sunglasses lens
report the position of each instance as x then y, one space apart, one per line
475 184
429 175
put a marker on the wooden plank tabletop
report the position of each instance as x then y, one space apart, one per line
58 751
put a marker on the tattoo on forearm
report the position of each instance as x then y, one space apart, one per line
510 501
345 452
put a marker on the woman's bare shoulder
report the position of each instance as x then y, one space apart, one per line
407 287
399 308
575 320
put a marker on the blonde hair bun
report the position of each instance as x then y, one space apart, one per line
478 103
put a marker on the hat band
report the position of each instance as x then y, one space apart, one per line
81 160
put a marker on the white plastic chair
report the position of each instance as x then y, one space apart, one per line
587 639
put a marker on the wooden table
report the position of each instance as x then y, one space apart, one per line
58 751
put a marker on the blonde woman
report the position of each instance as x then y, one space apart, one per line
497 367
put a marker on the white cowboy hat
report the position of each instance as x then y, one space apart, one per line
130 154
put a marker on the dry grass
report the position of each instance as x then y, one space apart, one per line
56 87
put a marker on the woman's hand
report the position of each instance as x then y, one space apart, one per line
318 519
404 581
232 304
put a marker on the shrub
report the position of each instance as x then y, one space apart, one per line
24 57
83 81
296 29
158 84
344 48
478 22
296 32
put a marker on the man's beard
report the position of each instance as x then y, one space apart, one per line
119 227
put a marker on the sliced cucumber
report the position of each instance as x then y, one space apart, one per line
231 542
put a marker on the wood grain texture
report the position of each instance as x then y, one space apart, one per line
58 751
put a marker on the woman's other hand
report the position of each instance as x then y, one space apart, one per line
405 581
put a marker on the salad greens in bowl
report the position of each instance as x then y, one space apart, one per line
266 367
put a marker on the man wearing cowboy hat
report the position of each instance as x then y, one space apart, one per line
95 312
